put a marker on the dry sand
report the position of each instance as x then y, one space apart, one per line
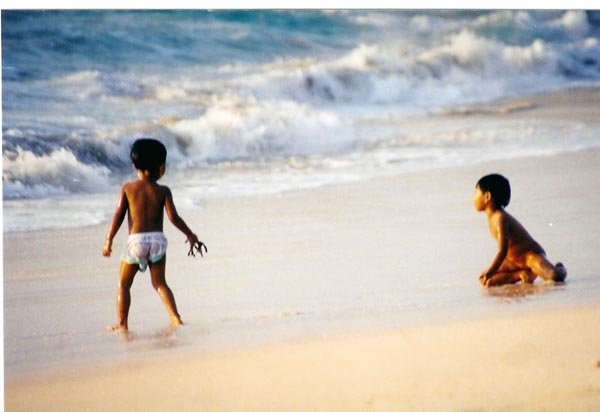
547 359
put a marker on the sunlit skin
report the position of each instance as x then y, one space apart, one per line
143 202
520 258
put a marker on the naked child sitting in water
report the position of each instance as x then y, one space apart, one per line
519 258
144 201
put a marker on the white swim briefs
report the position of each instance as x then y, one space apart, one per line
143 248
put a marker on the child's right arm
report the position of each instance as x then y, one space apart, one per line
117 220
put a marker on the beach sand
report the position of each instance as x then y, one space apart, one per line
542 362
302 253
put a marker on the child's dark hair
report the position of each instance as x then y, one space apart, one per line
148 154
498 187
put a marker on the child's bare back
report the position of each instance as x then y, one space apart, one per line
520 258
146 202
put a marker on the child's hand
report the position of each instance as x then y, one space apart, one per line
107 249
196 245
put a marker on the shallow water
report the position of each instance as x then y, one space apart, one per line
58 319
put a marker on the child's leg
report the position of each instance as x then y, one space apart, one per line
126 276
510 277
157 271
544 269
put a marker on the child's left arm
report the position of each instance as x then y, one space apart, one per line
180 224
501 230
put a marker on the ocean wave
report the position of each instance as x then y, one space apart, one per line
235 129
380 74
207 86
465 68
94 85
27 175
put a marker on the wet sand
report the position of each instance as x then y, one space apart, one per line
360 296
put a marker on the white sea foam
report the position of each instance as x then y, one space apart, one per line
574 22
29 176
240 129
327 101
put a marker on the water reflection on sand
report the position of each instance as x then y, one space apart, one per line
518 292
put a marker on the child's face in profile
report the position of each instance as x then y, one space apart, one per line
481 199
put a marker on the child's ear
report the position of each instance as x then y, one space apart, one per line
487 196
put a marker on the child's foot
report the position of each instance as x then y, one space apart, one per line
117 328
560 272
122 331
176 321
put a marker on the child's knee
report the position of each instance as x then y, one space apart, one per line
158 285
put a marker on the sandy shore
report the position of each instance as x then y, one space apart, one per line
541 362
336 269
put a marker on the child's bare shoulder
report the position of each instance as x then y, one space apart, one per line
130 188
162 193
508 219
128 185
164 189
137 188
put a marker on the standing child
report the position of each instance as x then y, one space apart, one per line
144 202
519 258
